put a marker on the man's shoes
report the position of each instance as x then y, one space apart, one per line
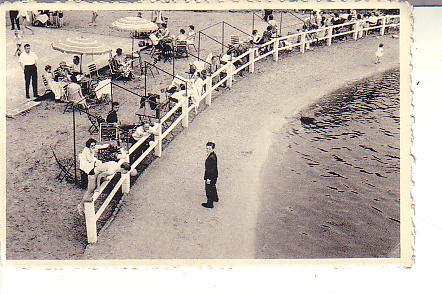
207 205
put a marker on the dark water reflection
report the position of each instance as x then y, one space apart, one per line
364 120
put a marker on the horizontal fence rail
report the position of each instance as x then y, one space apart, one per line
254 54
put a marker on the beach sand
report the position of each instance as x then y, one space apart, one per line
162 217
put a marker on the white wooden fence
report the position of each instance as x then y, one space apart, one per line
296 40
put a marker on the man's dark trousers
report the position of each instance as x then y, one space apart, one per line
211 192
13 14
31 73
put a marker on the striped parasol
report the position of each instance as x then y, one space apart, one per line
82 46
134 24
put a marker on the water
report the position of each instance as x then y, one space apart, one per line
355 131
336 192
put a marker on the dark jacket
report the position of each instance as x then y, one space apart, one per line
112 117
211 167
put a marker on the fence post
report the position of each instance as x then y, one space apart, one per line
91 222
158 131
185 110
229 74
329 36
276 49
384 22
252 60
125 187
209 90
303 37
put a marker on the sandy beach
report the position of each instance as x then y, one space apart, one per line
162 217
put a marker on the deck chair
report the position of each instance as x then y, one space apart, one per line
113 69
45 83
191 42
65 166
181 49
234 39
93 68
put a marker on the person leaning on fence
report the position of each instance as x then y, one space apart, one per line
108 169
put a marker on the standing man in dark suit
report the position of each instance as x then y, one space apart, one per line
15 21
211 175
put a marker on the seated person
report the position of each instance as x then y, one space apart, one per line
63 72
88 160
191 34
256 38
112 116
273 24
182 35
141 131
105 171
53 85
179 94
122 65
164 31
75 67
40 19
75 94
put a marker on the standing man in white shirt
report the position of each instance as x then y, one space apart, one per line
28 62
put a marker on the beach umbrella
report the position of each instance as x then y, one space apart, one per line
134 24
81 46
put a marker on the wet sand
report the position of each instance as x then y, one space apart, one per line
330 184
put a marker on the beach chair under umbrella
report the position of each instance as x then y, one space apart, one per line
81 46
134 25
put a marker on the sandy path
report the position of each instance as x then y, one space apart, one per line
162 217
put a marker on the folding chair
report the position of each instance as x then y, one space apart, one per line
234 39
113 69
93 68
65 166
95 123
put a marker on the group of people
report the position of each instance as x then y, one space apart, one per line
67 82
94 171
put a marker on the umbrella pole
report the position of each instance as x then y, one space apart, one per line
145 78
81 63
222 43
132 54
75 147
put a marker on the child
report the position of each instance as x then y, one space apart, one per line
18 42
379 53
94 18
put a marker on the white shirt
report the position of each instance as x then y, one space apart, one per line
27 59
110 167
87 160
139 133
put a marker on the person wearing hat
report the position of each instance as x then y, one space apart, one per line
211 176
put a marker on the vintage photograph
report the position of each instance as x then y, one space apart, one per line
262 133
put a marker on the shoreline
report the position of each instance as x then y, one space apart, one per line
280 157
176 226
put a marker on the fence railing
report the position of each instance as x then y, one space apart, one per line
271 47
